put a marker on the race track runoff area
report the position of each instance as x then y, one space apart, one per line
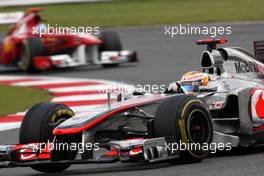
79 94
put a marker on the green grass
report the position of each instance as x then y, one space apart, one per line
17 99
151 12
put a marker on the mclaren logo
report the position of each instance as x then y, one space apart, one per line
245 67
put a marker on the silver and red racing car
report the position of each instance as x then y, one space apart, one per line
222 105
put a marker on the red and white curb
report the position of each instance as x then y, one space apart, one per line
79 94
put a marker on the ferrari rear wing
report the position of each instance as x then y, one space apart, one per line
10 17
14 17
259 50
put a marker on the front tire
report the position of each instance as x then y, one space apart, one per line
187 119
111 42
37 127
31 48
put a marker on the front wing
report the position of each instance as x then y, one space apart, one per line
130 150
65 60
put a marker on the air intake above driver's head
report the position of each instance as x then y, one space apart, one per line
259 50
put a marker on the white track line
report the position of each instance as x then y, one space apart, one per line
2 78
45 82
20 113
55 78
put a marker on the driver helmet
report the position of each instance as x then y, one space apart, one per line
191 81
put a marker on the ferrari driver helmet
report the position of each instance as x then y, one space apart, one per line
191 81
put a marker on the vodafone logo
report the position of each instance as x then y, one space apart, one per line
257 106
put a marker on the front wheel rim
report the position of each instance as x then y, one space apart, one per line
198 127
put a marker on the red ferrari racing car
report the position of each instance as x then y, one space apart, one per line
29 50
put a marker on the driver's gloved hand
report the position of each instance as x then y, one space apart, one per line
174 87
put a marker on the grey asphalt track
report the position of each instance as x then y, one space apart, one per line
162 60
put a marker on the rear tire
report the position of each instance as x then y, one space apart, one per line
111 42
187 119
37 127
31 48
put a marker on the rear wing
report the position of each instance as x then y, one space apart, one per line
211 43
10 17
259 50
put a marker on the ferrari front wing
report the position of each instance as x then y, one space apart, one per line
66 60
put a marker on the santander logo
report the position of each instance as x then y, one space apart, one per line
257 107
260 106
